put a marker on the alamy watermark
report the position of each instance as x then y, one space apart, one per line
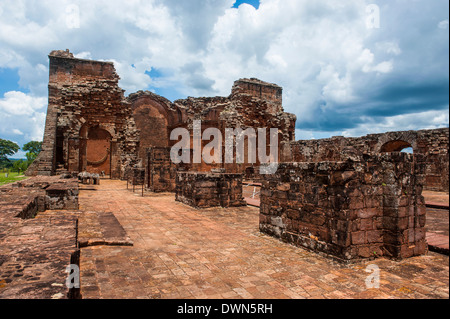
373 280
73 279
235 139
73 16
373 16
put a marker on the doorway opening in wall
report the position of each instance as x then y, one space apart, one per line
397 146
98 152
59 151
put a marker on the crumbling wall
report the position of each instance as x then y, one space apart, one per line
161 171
252 104
154 115
350 210
85 100
41 244
433 144
40 193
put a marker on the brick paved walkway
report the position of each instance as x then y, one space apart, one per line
437 215
180 252
438 199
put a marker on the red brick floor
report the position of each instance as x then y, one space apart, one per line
437 215
181 252
439 199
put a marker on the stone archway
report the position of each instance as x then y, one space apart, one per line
153 128
396 142
394 146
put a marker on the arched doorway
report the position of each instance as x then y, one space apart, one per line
153 126
98 151
396 146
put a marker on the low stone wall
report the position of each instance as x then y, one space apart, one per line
37 246
203 190
350 210
161 171
135 176
62 195
40 193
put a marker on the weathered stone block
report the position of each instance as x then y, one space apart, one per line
209 189
351 220
358 238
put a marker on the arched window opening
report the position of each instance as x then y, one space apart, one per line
408 150
396 146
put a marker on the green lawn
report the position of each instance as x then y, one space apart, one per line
12 177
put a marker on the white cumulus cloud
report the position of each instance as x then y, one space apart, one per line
22 116
321 52
19 103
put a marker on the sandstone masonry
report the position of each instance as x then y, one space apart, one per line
351 198
433 144
351 209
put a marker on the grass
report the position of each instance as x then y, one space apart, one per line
12 177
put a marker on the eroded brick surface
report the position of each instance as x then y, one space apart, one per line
433 144
182 252
36 246
203 190
350 210
101 228
34 256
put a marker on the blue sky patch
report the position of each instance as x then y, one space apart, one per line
154 73
169 93
254 3
9 81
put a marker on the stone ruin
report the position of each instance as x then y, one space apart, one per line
432 144
89 178
350 198
37 240
92 127
214 189
349 209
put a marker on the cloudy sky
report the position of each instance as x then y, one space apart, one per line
348 68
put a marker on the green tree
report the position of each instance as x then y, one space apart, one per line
20 166
7 148
32 148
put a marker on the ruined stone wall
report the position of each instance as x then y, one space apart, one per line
254 88
433 144
202 190
28 197
251 104
349 210
161 172
258 104
154 116
89 125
